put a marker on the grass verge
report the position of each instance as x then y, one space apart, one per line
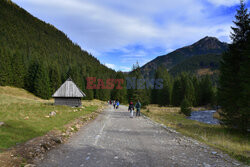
26 116
234 143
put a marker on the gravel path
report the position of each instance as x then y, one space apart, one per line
114 139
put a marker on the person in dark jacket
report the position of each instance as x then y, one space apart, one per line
138 108
114 103
117 104
131 109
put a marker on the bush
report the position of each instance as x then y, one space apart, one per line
185 107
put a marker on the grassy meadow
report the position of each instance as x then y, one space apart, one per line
235 144
26 116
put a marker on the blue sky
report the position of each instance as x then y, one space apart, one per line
120 33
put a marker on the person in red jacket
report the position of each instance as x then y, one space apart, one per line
131 109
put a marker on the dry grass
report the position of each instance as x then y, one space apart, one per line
217 115
235 144
17 93
206 71
26 116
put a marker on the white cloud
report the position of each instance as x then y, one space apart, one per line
125 68
118 68
110 25
110 65
224 2
103 28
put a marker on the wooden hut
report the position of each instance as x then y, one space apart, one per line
68 94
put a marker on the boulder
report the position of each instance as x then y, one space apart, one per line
1 124
53 113
57 140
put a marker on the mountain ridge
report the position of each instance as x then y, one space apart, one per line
205 46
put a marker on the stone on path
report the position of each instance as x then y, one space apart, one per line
214 152
206 165
30 165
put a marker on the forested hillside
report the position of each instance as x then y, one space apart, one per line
38 57
197 63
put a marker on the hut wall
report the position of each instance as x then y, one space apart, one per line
68 101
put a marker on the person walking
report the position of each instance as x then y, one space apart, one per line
138 108
114 103
117 104
131 109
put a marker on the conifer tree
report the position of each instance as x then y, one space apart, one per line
89 92
163 96
30 76
185 107
18 70
177 95
155 92
187 88
42 83
232 90
206 91
5 68
244 101
183 88
55 78
120 94
196 85
138 93
242 24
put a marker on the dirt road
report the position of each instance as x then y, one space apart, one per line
114 139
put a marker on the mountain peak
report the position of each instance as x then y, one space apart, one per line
205 46
209 39
209 43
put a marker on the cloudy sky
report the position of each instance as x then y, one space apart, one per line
120 33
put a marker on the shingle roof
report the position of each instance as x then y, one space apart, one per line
68 89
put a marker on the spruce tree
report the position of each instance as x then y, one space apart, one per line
185 107
183 88
164 94
154 91
42 83
55 78
242 22
5 68
206 91
177 95
196 85
89 92
30 76
138 93
232 90
120 94
18 70
244 101
187 88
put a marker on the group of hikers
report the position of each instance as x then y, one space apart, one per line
115 103
131 107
